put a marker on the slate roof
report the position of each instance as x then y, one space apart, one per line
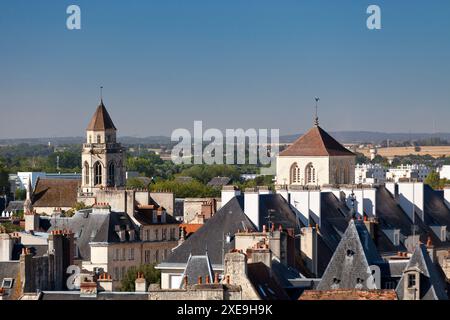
391 216
219 181
145 217
436 211
93 227
101 120
265 282
15 206
432 284
316 142
198 266
350 262
55 193
9 269
228 219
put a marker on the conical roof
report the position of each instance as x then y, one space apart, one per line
101 120
316 142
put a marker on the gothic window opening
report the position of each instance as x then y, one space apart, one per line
99 139
111 174
98 173
295 173
310 173
86 173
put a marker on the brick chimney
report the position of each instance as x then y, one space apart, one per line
105 283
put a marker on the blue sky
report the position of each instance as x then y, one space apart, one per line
234 63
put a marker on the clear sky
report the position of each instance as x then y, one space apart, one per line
232 64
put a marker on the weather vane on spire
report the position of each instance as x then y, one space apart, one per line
316 119
101 93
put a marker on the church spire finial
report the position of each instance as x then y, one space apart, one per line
316 118
101 94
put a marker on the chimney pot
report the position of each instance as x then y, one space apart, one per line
199 281
216 278
227 281
207 279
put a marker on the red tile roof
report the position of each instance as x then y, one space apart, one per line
101 120
349 294
316 142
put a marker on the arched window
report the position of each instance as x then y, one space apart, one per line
99 139
86 173
295 173
111 173
90 139
98 173
310 173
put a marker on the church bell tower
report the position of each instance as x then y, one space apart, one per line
103 159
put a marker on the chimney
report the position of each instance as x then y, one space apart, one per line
372 227
411 197
140 283
392 188
307 202
431 250
447 196
104 283
283 191
308 245
251 206
228 193
6 247
264 190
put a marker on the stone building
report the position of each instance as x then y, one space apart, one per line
315 158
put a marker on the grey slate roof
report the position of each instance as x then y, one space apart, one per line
93 227
14 206
219 181
228 219
9 269
198 266
432 284
350 263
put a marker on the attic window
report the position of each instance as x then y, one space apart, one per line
7 283
336 281
350 253
444 233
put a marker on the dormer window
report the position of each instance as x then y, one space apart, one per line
444 233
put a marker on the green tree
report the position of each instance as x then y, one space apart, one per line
433 180
20 194
151 275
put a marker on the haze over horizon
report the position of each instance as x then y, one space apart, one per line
233 64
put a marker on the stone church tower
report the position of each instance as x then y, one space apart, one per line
103 159
317 159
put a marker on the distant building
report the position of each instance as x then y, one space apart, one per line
444 172
369 173
417 172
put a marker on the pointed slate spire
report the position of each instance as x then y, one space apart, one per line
349 267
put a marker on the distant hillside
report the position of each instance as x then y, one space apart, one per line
372 137
342 136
